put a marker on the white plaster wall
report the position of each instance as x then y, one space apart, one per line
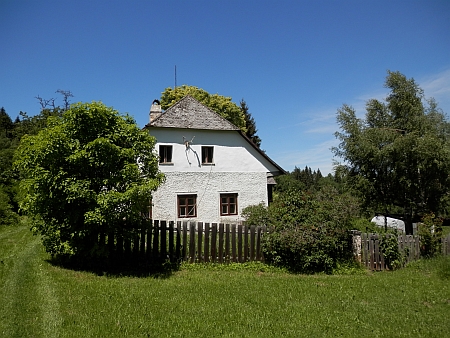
251 188
232 153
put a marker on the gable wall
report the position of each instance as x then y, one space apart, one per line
238 168
232 153
250 187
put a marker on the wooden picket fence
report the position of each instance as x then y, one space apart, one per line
189 241
367 249
446 245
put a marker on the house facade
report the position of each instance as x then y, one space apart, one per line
212 169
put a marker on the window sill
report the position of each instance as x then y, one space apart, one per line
208 164
167 163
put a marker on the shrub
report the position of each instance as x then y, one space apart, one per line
309 231
430 232
307 248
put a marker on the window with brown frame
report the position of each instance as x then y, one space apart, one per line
228 204
187 206
165 154
207 155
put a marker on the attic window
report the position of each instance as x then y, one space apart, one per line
207 155
165 154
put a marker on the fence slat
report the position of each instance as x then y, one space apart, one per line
207 234
156 239
227 243
233 243
240 259
178 244
185 254
221 239
171 242
252 243
200 241
192 242
163 237
245 243
214 243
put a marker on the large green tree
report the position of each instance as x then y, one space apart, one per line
398 156
250 124
89 172
218 103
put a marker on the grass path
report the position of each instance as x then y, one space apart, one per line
41 300
29 304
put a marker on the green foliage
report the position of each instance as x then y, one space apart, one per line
399 154
222 105
308 231
7 215
256 215
90 172
389 245
250 124
364 225
430 232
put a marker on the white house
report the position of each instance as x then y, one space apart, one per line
212 169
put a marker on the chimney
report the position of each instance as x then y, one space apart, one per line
155 110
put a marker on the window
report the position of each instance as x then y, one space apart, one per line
207 155
165 154
187 206
228 204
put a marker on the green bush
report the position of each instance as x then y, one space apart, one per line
430 232
7 215
307 248
394 258
309 232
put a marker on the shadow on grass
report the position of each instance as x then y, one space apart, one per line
118 266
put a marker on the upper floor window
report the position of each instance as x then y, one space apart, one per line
165 154
207 155
228 204
187 206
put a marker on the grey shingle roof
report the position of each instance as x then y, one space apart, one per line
191 114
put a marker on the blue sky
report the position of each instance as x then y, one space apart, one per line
294 62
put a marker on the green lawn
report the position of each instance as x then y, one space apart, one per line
41 300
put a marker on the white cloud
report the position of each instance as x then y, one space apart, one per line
438 86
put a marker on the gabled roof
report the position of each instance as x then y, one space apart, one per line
188 113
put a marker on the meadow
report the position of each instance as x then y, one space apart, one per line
40 299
